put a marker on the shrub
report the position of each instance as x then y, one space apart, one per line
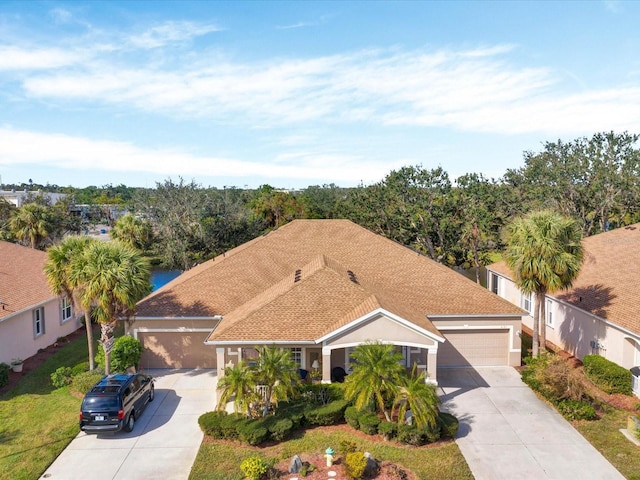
79 368
231 424
448 425
412 435
554 378
575 410
61 377
279 428
608 376
351 415
126 353
329 414
388 430
4 374
347 446
254 468
252 432
210 423
369 423
83 382
355 464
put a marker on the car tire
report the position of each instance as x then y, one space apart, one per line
131 422
152 394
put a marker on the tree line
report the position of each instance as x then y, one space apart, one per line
458 222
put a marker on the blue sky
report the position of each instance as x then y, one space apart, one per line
304 93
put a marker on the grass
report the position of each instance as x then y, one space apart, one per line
221 461
605 436
38 421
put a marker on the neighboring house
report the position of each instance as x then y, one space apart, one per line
19 198
31 317
598 315
320 288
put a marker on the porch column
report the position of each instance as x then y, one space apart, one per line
220 364
432 365
326 366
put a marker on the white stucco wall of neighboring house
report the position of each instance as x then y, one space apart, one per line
577 331
17 335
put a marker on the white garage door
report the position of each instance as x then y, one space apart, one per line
465 348
176 350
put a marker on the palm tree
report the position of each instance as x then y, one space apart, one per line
376 377
63 280
239 383
31 223
114 277
419 397
277 372
544 252
133 231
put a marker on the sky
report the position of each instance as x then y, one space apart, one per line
294 94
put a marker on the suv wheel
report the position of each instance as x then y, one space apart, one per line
152 394
131 422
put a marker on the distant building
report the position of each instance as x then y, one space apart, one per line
18 198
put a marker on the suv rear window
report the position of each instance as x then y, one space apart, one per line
101 402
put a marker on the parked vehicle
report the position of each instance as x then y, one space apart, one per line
116 402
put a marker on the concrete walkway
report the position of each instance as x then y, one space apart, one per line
163 444
506 432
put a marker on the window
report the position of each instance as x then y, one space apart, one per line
38 322
494 283
526 301
296 356
66 310
549 313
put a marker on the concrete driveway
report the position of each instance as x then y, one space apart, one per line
163 444
506 432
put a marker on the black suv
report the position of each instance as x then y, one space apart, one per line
115 402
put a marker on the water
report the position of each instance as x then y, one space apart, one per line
160 278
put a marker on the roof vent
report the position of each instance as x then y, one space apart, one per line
298 276
352 276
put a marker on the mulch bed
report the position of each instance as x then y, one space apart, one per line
39 358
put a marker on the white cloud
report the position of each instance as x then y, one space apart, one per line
17 58
479 89
171 32
21 148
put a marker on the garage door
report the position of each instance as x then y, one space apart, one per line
465 348
176 350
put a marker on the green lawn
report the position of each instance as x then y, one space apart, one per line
221 461
604 434
37 421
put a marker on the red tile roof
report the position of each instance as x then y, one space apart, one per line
22 280
608 282
345 271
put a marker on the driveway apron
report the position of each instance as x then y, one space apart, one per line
506 432
163 444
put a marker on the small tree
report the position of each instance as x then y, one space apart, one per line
239 384
277 372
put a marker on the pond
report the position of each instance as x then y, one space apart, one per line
159 278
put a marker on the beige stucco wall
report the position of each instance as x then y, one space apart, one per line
574 329
512 324
16 332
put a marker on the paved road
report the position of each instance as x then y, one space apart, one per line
506 432
163 444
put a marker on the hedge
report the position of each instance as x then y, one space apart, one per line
4 374
417 436
606 375
369 423
351 415
388 430
328 414
448 425
575 410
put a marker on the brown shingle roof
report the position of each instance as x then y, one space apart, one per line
609 278
401 280
22 281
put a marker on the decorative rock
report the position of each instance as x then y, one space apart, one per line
332 474
372 466
296 464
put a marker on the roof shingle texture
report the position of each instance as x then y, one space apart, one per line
607 285
22 280
345 271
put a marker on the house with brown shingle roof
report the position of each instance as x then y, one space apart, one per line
598 315
31 316
320 288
